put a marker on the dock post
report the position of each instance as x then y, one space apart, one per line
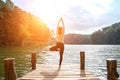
82 60
112 69
10 73
33 61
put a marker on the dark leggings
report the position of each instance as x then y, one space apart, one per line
59 46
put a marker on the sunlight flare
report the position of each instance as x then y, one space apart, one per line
76 13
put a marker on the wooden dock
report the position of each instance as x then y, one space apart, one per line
53 72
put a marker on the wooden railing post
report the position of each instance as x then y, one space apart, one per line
112 69
82 60
33 61
10 73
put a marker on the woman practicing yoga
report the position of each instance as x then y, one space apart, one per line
60 40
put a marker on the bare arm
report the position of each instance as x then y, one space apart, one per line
58 22
62 23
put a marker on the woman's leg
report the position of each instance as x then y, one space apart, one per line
54 48
61 53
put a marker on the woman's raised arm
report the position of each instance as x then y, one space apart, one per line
63 24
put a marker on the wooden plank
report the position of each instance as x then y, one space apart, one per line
67 72
60 79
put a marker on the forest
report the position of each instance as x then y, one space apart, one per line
77 39
107 35
18 27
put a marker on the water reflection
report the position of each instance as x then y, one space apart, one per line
96 56
22 58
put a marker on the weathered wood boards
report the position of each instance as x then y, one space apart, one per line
112 73
10 73
67 72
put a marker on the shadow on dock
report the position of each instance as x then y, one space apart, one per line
49 75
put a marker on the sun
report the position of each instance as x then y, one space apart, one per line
50 19
48 12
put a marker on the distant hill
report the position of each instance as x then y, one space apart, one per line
18 26
107 35
77 39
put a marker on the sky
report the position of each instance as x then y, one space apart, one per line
80 16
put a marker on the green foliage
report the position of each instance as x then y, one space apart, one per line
18 26
108 35
77 39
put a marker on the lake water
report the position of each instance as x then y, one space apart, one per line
95 57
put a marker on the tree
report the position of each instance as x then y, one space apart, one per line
16 26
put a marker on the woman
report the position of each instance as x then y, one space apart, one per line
60 41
